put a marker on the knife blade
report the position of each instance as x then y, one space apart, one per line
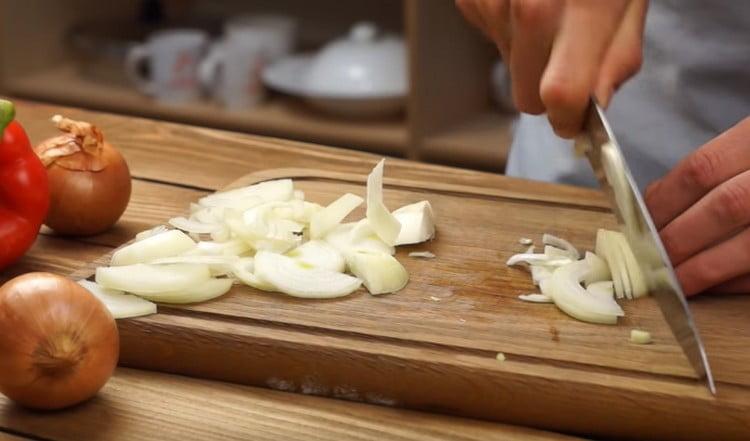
603 152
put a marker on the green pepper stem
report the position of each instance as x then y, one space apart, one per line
7 113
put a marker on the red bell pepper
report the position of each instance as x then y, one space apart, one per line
24 191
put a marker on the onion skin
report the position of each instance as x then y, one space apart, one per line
58 343
83 203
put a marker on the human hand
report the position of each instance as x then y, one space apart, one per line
559 52
702 211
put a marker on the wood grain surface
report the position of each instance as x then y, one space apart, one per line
432 346
125 409
173 164
140 405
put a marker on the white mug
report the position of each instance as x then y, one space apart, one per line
280 32
233 68
173 57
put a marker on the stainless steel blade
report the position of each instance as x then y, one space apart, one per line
600 146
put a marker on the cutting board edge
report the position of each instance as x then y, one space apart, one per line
429 378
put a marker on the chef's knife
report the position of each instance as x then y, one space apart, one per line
600 146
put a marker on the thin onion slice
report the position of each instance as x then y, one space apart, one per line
599 270
327 219
168 243
604 288
147 279
557 253
539 273
150 232
536 259
570 297
422 254
192 226
385 225
558 242
417 223
268 191
381 273
219 265
635 274
289 277
318 254
244 271
210 289
234 247
119 304
535 298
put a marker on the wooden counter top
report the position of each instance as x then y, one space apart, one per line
172 165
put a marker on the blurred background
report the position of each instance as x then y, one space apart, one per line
407 78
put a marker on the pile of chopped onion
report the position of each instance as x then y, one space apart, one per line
268 237
584 288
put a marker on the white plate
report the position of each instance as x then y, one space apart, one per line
288 76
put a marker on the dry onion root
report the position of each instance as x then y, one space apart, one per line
584 289
58 343
268 237
89 179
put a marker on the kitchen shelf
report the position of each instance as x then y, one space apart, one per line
447 119
279 116
480 142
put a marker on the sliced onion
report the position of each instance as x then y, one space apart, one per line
210 289
299 195
327 219
635 274
150 232
318 254
540 272
340 237
604 288
381 273
385 225
599 270
535 298
640 337
269 191
609 251
234 247
192 226
240 203
119 304
278 235
244 271
222 234
417 223
569 296
148 279
557 253
219 265
422 254
289 277
549 239
363 238
525 241
536 259
168 243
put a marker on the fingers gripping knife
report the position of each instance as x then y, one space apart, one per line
600 146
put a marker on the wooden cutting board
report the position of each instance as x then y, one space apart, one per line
434 345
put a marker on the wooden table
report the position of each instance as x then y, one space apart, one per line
171 165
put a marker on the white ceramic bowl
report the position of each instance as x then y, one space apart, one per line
361 75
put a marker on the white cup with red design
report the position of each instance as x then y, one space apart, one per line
232 71
171 58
